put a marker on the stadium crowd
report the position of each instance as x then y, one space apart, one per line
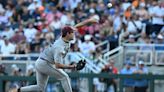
28 26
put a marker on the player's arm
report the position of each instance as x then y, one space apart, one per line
64 66
91 20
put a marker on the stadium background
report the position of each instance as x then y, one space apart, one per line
130 33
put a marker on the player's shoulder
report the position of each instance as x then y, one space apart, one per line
57 44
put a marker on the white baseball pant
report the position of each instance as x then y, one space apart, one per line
43 71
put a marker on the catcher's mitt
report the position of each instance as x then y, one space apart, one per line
80 65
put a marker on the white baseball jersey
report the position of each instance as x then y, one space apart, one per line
56 52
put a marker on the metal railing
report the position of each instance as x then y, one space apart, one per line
90 77
27 59
149 53
104 44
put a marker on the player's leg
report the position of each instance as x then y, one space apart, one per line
40 87
41 84
41 77
65 81
59 74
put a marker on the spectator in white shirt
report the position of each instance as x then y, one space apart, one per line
3 18
7 47
157 14
55 26
30 32
33 6
8 32
8 12
134 26
1 8
74 3
88 46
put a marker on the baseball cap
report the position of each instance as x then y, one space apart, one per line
128 62
92 10
160 36
141 62
131 36
68 29
87 37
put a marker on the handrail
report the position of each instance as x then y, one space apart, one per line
112 51
103 43
135 36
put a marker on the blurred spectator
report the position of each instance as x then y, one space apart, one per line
128 83
8 12
117 21
16 71
145 50
55 26
111 69
30 70
22 48
7 47
143 13
15 18
30 32
88 46
2 70
1 7
125 5
75 54
146 45
35 44
134 25
8 32
112 38
131 40
18 36
157 13
26 15
34 5
141 40
159 47
49 36
3 73
141 85
160 41
3 18
99 85
97 55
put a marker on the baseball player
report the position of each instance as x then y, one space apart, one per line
50 61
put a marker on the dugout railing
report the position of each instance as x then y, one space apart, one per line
90 77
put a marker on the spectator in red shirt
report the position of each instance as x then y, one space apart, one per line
111 69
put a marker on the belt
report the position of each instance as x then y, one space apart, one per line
47 60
